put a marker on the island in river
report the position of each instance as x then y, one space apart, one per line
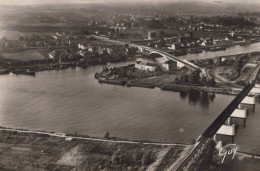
55 164
225 74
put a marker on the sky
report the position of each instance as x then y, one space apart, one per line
32 2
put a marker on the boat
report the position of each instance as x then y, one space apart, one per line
22 72
218 48
112 81
4 72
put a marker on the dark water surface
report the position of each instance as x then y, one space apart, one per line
237 49
72 100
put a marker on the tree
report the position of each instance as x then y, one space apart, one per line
162 42
107 135
212 82
158 69
162 34
184 79
194 77
204 80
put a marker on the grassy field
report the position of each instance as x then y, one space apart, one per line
137 33
24 56
40 33
10 35
27 151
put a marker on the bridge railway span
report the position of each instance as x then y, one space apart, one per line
217 123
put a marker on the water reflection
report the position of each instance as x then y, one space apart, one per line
258 100
194 96
212 96
204 98
183 94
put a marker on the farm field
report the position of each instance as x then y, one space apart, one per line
24 56
10 35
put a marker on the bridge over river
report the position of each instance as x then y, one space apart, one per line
180 62
219 125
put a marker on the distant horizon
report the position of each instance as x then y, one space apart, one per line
49 2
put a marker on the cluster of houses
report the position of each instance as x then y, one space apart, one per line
167 65
37 40
185 41
208 27
61 55
88 50
109 50
189 41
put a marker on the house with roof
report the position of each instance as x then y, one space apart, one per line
53 55
169 65
82 46
146 66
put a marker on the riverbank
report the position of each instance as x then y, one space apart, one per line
174 87
34 150
241 162
70 137
30 67
189 88
221 78
31 150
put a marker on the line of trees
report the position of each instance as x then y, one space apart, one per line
197 78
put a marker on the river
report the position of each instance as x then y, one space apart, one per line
236 49
73 101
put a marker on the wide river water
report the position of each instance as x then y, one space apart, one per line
236 49
73 101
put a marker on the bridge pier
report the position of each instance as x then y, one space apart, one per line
255 91
228 121
226 134
248 103
239 115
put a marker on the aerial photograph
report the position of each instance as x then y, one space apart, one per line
129 85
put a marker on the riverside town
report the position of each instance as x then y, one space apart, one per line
116 85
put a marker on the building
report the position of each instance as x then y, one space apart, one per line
203 43
53 55
82 46
59 55
92 49
232 33
145 66
82 53
151 35
169 65
172 47
110 51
